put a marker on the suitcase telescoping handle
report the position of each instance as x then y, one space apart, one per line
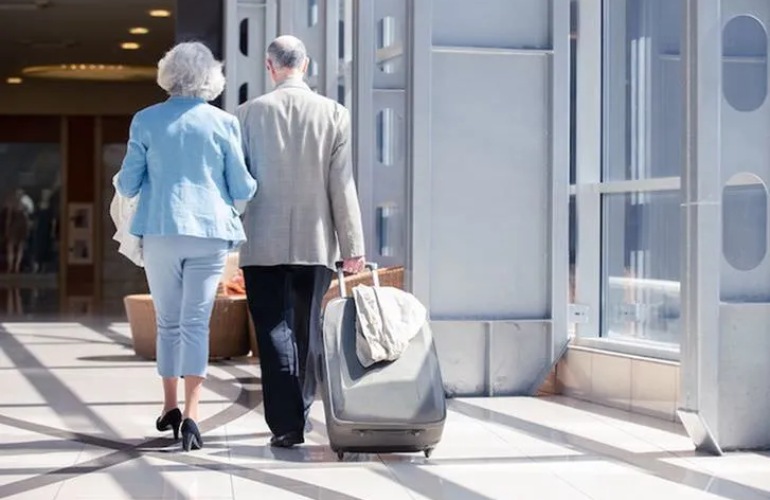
372 266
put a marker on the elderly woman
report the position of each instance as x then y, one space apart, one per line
185 162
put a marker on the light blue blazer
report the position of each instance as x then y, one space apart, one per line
186 163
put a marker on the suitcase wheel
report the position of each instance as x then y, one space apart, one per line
429 452
340 455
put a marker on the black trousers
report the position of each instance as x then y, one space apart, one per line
285 302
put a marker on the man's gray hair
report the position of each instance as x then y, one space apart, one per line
190 69
287 52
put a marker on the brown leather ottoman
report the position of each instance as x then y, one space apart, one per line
229 336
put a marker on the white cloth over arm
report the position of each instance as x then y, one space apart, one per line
387 319
122 212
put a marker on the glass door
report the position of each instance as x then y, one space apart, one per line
30 215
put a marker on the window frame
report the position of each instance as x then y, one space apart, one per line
592 151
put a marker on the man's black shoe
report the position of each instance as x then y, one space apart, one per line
288 440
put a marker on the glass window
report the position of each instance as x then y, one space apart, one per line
642 140
744 223
643 89
312 13
30 204
388 130
744 63
641 275
389 45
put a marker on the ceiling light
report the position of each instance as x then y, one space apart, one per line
13 80
24 4
160 13
139 30
93 72
129 45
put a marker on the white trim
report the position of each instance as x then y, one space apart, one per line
643 349
656 184
442 49
588 163
639 186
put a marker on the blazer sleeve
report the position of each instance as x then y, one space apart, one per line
134 167
346 209
242 116
240 183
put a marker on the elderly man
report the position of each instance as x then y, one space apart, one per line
297 146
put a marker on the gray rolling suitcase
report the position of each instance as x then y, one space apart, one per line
390 407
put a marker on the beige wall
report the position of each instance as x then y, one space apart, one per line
77 98
631 383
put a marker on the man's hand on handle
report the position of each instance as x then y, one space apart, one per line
354 265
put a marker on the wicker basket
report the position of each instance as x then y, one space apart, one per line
389 276
229 326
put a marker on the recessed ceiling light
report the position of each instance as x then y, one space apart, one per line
129 45
139 30
160 13
13 80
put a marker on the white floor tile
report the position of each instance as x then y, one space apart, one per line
149 478
371 481
603 480
48 492
26 454
484 482
67 377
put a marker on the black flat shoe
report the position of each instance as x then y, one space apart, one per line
170 421
288 440
191 436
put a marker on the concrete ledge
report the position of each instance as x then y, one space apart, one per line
632 383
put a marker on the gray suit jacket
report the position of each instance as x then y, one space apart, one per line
297 146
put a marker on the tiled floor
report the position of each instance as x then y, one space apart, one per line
77 412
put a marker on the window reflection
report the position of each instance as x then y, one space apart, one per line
312 68
312 13
642 241
643 97
30 203
389 45
744 222
388 130
744 63
643 124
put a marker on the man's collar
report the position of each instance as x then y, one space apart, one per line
294 82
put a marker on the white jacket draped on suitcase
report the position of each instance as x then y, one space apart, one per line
387 320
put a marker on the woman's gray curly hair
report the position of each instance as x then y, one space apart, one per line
190 70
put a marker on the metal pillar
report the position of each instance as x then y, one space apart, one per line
726 313
701 213
489 108
250 25
381 66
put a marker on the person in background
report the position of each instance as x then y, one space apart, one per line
297 145
16 229
44 233
184 160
